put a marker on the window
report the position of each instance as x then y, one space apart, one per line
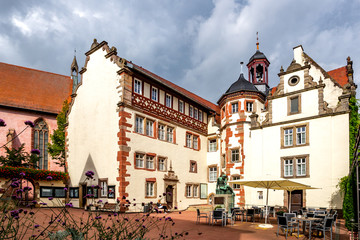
200 116
59 192
92 191
249 106
193 166
181 106
234 107
149 128
295 136
196 113
188 140
154 94
103 187
41 139
139 125
301 135
137 86
236 186
235 155
191 109
168 100
74 192
170 134
196 191
188 190
260 195
212 174
162 164
295 166
161 132
294 104
301 167
150 189
139 160
150 162
288 137
212 145
111 191
46 192
196 143
288 168
294 80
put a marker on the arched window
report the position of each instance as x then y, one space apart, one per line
41 139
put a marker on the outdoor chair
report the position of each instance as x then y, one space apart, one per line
218 215
289 217
334 216
310 214
237 213
258 212
296 212
286 226
325 226
250 212
200 216
311 209
230 215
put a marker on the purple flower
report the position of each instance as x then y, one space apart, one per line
43 203
164 194
36 226
100 201
98 217
27 189
35 151
50 198
2 123
34 202
29 123
22 174
65 189
68 205
49 178
89 174
15 184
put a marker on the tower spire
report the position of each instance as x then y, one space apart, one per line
257 40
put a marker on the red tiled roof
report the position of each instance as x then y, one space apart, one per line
339 75
33 89
185 92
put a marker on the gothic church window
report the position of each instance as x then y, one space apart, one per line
41 139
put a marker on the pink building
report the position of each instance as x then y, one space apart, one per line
32 95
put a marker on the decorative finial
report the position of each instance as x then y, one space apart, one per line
241 64
170 165
75 52
257 40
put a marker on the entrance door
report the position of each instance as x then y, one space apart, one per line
82 200
169 196
296 200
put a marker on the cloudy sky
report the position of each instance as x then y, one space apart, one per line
196 44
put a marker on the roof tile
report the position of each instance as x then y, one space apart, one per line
339 75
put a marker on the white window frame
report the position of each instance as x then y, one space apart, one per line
212 174
191 111
234 107
168 100
301 166
170 134
154 94
104 188
235 155
196 191
288 168
200 116
196 142
139 124
161 132
161 164
150 164
188 140
150 189
181 106
212 145
188 191
236 186
301 135
137 86
288 137
196 113
149 128
139 160
249 106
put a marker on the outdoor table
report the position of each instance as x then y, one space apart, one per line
304 220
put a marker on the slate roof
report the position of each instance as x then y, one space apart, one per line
33 89
241 85
258 55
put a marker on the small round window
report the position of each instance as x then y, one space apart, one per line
294 80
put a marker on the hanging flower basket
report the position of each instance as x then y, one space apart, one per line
33 174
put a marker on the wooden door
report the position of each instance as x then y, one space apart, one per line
169 196
296 200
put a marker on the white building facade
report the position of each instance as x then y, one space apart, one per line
143 136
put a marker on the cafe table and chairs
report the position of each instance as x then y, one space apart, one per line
306 222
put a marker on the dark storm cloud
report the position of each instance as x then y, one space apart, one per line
196 44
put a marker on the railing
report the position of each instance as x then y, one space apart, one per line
168 113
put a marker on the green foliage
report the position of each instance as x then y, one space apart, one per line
17 157
57 147
350 181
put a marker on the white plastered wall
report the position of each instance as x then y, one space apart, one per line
94 123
